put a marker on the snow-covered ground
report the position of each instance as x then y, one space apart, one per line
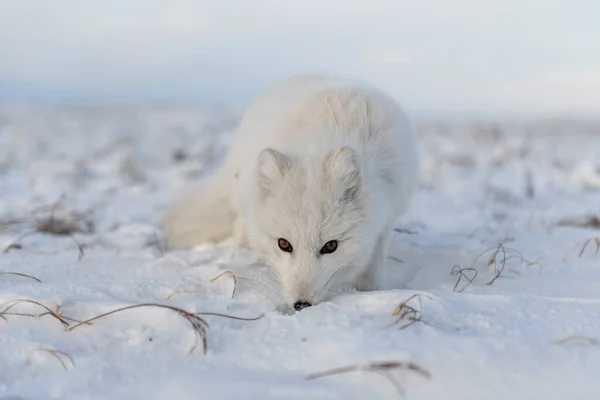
527 327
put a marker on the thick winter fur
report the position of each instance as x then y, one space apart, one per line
202 215
316 158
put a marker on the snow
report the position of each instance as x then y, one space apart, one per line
528 188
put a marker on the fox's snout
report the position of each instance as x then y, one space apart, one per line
301 305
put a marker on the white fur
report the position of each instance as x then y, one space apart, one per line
316 158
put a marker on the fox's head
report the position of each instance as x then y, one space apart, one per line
309 220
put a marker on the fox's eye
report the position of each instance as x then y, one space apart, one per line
329 247
284 245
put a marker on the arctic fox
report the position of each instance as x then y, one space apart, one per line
318 172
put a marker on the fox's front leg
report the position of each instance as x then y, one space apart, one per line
375 276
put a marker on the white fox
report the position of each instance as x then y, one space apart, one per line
318 172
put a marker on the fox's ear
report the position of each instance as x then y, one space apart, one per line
344 169
272 166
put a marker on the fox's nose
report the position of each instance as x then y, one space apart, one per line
300 305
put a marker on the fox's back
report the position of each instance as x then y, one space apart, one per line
314 115
319 113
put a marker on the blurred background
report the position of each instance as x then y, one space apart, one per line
452 58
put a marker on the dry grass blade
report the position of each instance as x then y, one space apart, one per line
384 367
492 261
580 340
462 273
58 355
169 297
230 273
198 324
4 308
372 367
62 315
230 316
22 275
399 261
496 250
407 231
394 381
591 222
16 245
398 309
66 225
79 247
596 241
4 314
469 274
407 313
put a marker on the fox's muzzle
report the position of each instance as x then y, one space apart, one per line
301 305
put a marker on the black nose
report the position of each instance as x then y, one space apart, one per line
300 305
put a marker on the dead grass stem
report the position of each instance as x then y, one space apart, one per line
408 314
16 245
463 273
4 308
382 367
58 355
230 273
54 226
170 296
62 315
596 241
579 340
497 260
590 222
199 325
492 261
22 275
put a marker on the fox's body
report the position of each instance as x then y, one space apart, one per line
315 160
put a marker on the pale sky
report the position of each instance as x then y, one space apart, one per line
526 56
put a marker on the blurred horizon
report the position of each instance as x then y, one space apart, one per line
539 58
